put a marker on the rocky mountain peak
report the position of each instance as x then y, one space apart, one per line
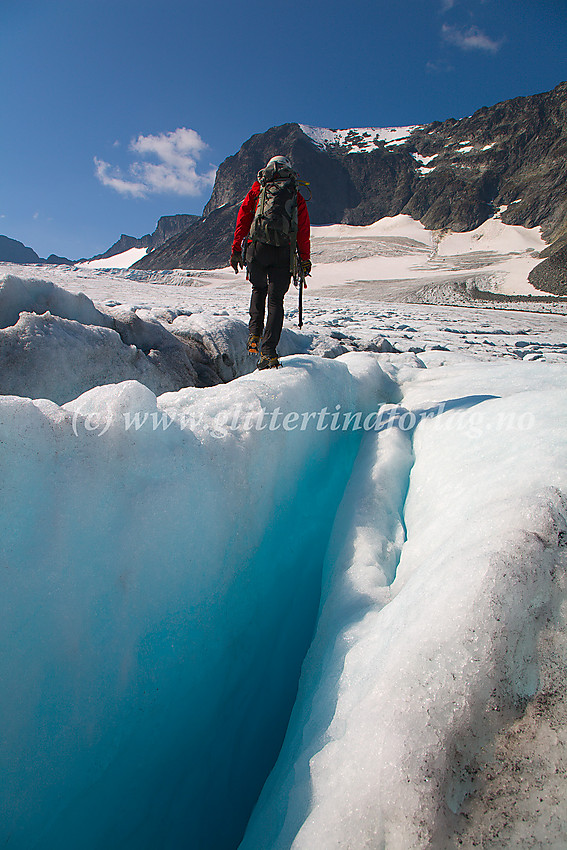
510 158
167 227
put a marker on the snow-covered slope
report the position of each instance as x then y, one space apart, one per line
397 227
398 258
117 261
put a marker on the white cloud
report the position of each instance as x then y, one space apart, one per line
175 171
446 5
438 67
112 178
471 38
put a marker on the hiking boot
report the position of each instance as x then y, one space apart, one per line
253 344
268 361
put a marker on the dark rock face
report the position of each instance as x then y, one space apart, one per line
167 227
551 275
517 159
204 245
54 260
451 175
12 251
329 181
123 244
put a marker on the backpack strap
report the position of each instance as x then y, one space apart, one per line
307 186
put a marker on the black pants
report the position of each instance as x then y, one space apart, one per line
270 277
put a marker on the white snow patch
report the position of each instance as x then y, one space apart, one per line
397 226
424 159
118 261
424 170
493 235
358 139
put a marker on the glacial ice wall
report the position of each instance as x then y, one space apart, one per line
55 344
442 617
160 582
324 587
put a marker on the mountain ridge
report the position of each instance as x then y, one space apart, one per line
509 158
168 226
14 251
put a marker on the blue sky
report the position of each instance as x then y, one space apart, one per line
115 112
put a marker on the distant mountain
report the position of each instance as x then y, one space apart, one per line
12 251
508 158
167 227
54 260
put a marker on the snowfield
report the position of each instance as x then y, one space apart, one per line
398 259
118 261
318 607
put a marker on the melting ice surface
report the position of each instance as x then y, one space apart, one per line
245 615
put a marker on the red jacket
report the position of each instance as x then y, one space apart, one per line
246 216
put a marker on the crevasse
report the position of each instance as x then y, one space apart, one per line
182 595
406 690
161 588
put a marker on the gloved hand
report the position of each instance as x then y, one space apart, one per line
306 266
236 261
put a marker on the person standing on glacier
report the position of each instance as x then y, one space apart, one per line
272 234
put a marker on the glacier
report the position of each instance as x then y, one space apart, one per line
243 616
440 620
56 344
322 607
145 642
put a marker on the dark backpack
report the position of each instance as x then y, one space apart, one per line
275 220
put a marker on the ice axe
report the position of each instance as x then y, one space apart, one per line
299 281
